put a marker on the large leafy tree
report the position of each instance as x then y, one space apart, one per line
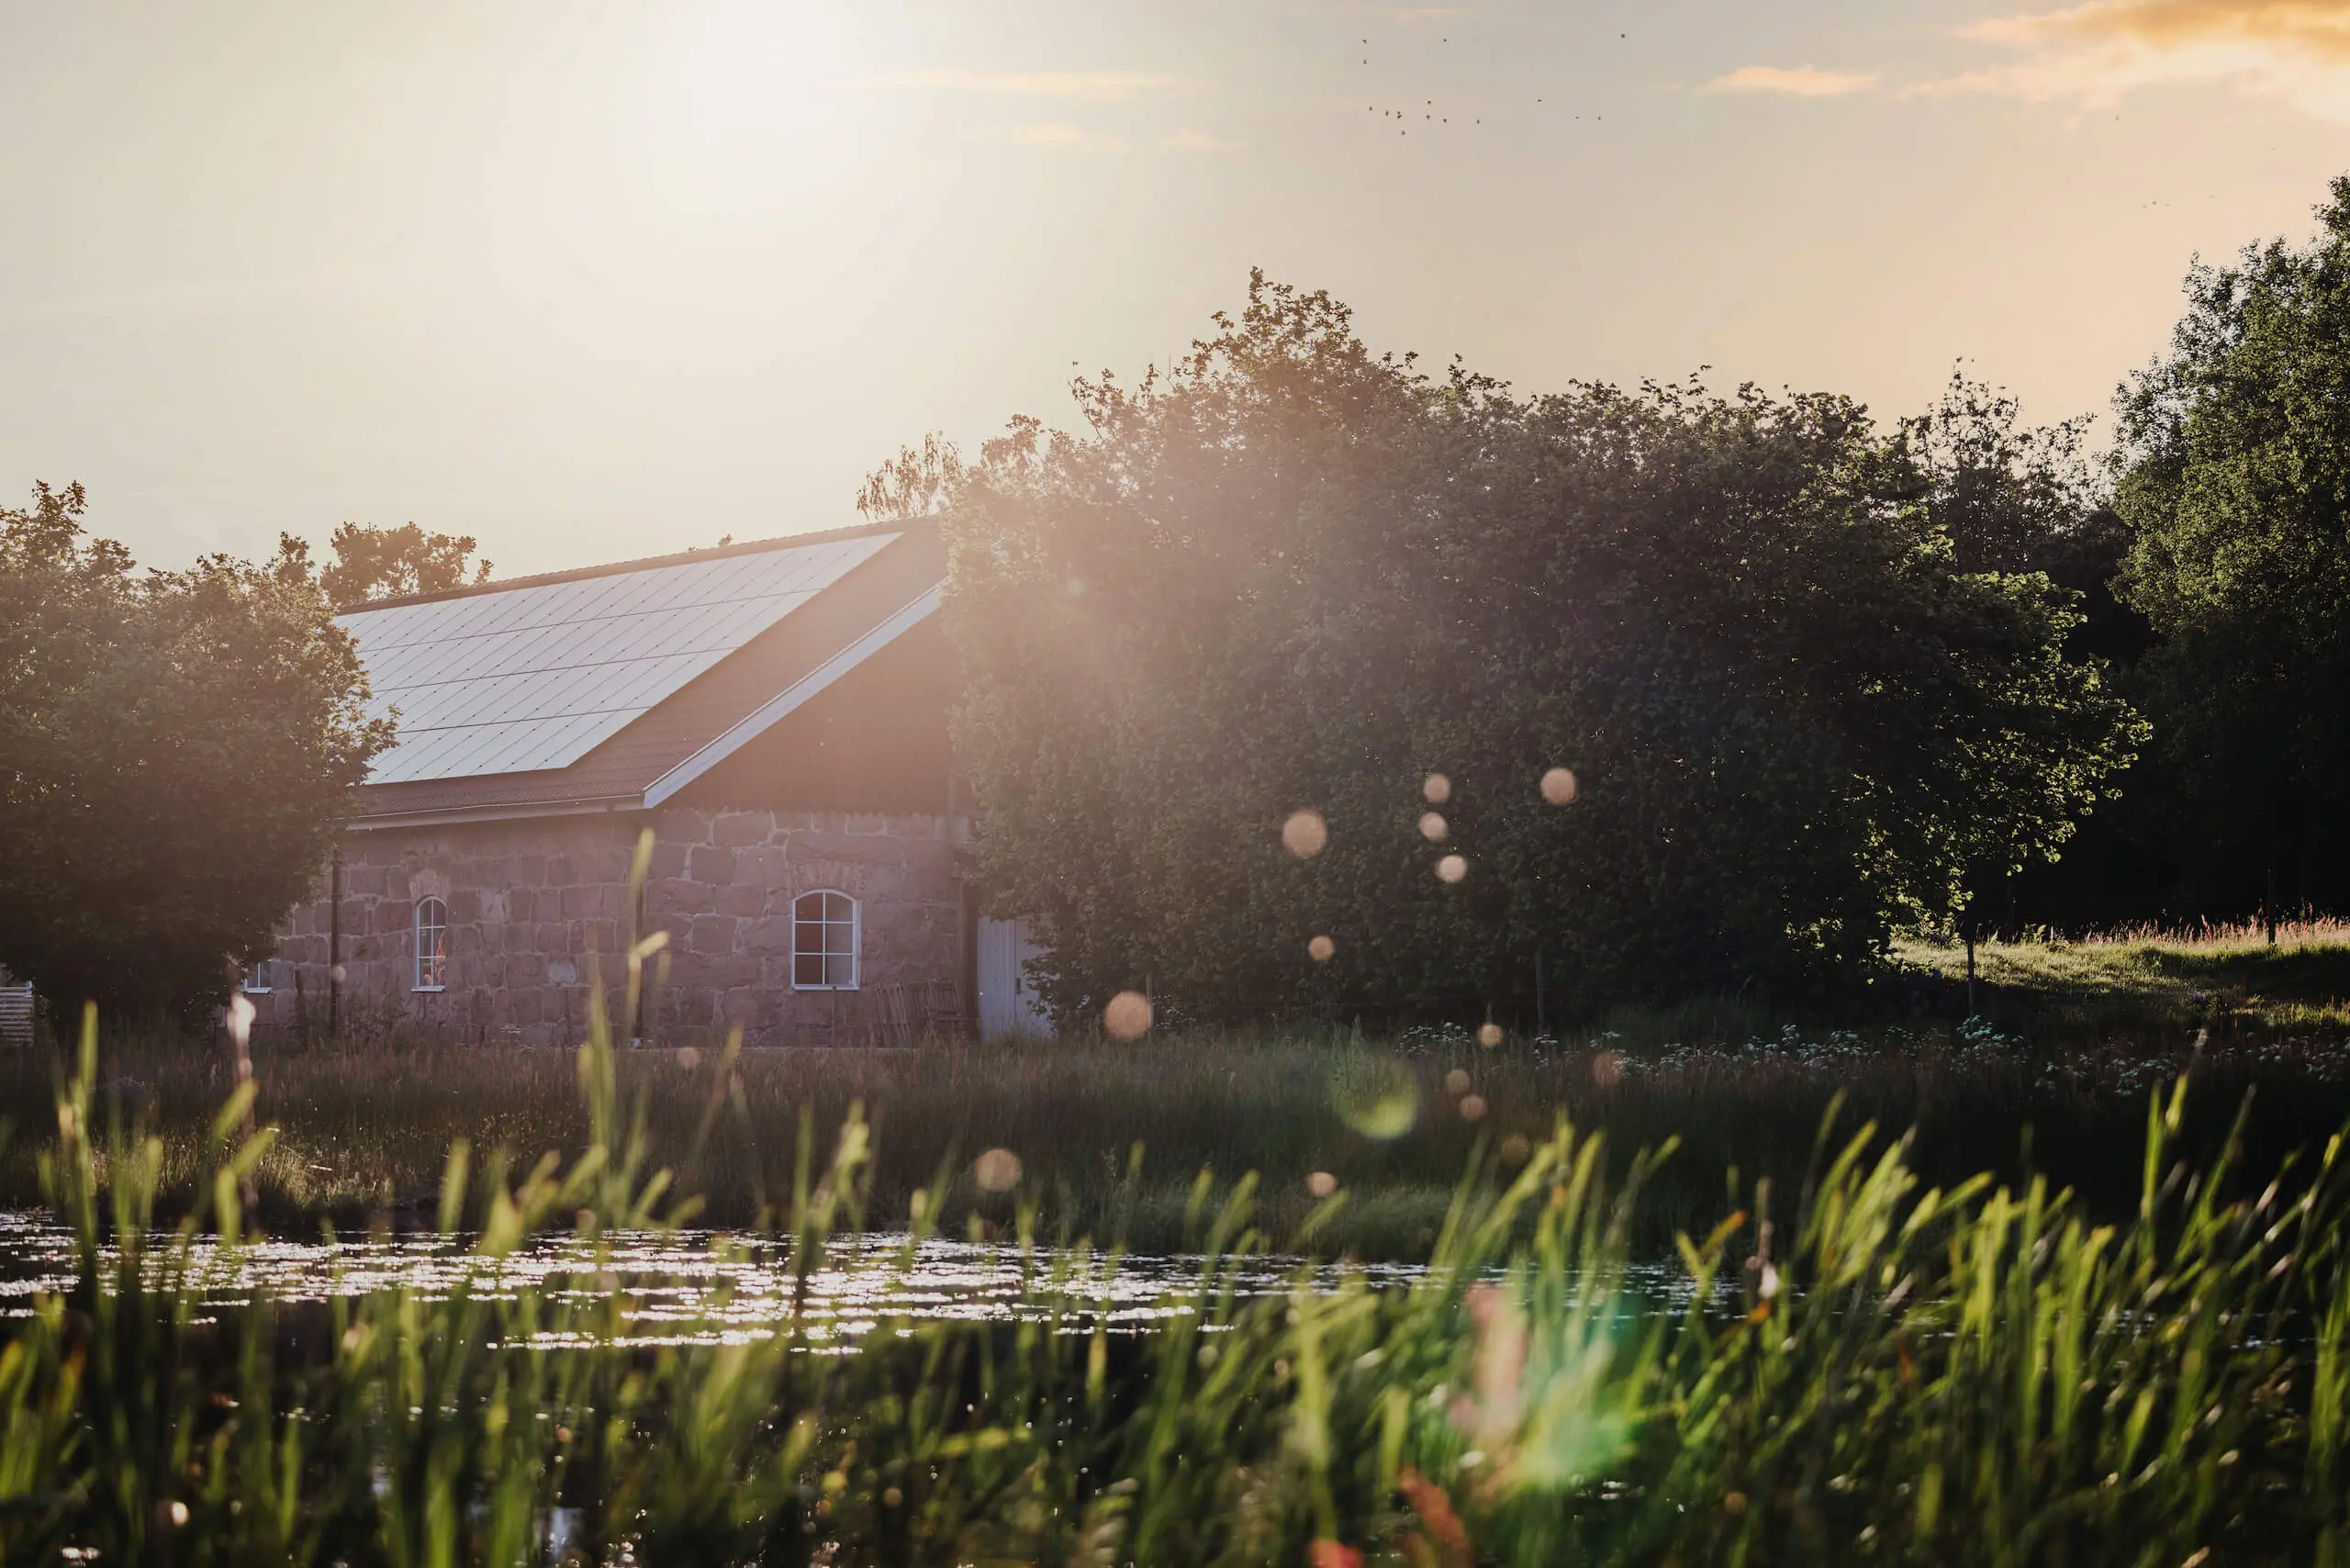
2235 480
2018 498
1300 575
176 752
383 562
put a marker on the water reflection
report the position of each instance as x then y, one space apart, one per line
710 1287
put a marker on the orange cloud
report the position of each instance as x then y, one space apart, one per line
1795 81
2096 51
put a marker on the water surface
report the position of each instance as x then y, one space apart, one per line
712 1287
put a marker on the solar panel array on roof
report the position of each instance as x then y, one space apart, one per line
531 678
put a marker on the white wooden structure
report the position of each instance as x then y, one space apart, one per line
15 1013
1008 1004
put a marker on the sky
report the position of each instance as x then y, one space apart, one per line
593 281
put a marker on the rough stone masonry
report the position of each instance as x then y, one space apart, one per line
539 911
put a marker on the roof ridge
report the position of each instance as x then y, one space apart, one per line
643 563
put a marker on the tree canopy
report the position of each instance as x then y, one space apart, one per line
383 562
176 752
2234 478
1296 574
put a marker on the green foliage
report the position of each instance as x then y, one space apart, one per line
176 752
2015 497
1297 575
383 562
1904 1373
2235 477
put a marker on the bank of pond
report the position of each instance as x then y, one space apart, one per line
554 1363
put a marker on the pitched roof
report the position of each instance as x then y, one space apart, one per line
616 685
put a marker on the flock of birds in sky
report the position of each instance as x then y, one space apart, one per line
1428 106
1430 119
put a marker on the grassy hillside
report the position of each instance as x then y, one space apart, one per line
2226 979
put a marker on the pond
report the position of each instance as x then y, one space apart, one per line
711 1287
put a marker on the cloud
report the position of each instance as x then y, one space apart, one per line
2094 53
1088 86
1200 141
1796 81
1061 137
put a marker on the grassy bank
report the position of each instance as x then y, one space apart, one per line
2051 1080
1896 1372
362 1132
2143 982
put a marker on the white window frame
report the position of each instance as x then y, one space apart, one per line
256 981
826 956
417 928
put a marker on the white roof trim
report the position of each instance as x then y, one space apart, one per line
525 811
784 703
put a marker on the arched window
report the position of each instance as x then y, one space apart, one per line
431 944
823 941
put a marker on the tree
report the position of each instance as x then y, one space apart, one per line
383 562
1298 574
2018 498
2235 479
177 752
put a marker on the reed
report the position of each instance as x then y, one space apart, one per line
1895 1371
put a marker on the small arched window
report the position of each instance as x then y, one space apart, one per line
823 941
431 944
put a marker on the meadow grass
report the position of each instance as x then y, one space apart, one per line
2227 978
1894 1372
362 1132
2051 1080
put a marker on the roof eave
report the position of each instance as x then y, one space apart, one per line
645 563
451 816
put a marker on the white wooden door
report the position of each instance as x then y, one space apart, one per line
1008 1004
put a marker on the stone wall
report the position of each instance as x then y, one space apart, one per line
537 909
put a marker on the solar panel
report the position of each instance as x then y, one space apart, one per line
532 678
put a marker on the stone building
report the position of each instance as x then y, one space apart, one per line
774 714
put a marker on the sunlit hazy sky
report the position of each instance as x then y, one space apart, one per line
592 281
